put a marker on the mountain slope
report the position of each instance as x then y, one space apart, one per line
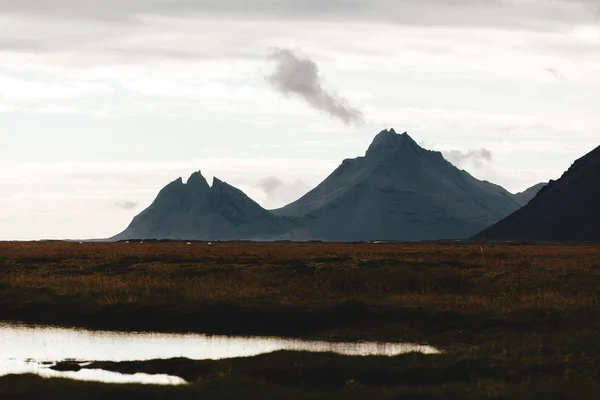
563 211
526 196
398 191
196 211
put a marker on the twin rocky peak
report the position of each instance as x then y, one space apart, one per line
396 191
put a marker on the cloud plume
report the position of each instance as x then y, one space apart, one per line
300 77
279 192
270 185
556 73
476 156
126 205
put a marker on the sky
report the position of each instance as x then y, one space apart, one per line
102 103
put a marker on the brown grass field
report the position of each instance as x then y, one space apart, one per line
515 321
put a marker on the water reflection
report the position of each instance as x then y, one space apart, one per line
25 349
93 375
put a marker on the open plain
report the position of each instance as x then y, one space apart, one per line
512 321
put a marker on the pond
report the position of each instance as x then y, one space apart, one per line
34 349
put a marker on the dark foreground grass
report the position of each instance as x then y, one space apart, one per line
516 322
512 366
31 387
516 368
517 374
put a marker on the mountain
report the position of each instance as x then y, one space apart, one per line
398 191
196 211
566 210
526 196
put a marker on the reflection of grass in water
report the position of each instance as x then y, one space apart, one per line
516 322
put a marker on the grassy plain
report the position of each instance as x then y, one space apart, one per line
513 321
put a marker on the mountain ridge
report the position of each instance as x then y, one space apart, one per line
565 210
197 211
396 191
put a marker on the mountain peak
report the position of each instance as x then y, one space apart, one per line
197 180
217 182
195 193
175 184
388 141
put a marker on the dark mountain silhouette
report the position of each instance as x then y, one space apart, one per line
566 210
527 195
397 191
196 211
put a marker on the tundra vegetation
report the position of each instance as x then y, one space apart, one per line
513 321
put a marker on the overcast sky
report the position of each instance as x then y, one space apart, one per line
102 103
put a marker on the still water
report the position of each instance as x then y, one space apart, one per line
33 349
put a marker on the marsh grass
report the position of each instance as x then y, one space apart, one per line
526 370
318 286
515 322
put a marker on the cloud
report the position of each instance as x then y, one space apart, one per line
556 73
270 185
127 204
86 34
476 156
278 192
21 91
528 13
300 76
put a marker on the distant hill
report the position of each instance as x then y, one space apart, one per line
566 210
526 196
396 191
